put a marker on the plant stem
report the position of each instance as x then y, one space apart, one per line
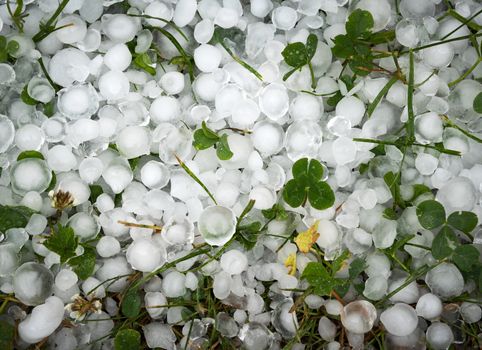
195 178
383 92
47 76
464 21
445 42
241 62
451 124
46 28
466 74
312 74
411 117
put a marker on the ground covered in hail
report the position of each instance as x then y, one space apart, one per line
225 174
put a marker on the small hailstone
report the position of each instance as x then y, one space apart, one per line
144 255
326 329
439 335
65 279
358 316
330 234
470 312
207 58
173 284
351 108
429 306
426 164
234 262
333 307
154 302
172 82
399 320
408 294
107 246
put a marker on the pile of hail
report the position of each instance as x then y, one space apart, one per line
226 174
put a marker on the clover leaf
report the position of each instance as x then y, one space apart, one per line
298 55
431 214
307 185
205 138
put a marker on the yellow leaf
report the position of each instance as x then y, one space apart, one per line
306 239
290 263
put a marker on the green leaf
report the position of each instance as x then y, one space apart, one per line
464 221
477 104
12 47
84 264
294 193
311 45
143 61
127 339
201 141
62 241
359 24
315 170
444 243
431 214
295 54
210 134
382 37
25 97
319 278
321 195
13 217
390 214
30 154
3 43
131 304
357 266
419 189
465 256
343 47
300 168
333 100
7 335
275 212
222 148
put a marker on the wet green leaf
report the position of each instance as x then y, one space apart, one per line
131 304
321 195
30 154
444 243
62 241
431 214
464 221
478 103
222 148
295 54
127 339
294 194
13 217
466 256
359 24
84 264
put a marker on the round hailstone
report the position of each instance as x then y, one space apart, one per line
7 73
241 146
90 169
245 113
32 283
114 85
158 9
380 11
284 320
173 140
118 57
42 321
306 106
30 174
74 29
134 141
439 335
207 58
351 108
7 133
145 255
107 246
173 284
155 175
267 138
217 225
29 137
184 12
274 101
69 65
65 279
445 280
54 129
203 31
471 313
60 158
119 28
40 89
165 109
284 17
400 319
429 306
330 235
84 225
152 302
78 101
358 316
172 82
456 194
438 56
178 232
234 262
428 128
426 164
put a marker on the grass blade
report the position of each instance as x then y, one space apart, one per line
411 117
383 92
195 178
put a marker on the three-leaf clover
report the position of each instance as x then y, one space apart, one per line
298 55
205 138
307 184
355 45
431 215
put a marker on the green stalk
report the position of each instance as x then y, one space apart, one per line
241 62
312 74
46 28
397 144
464 21
195 178
466 74
411 116
383 92
451 124
445 42
176 28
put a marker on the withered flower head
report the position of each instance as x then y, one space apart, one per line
80 307
61 200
